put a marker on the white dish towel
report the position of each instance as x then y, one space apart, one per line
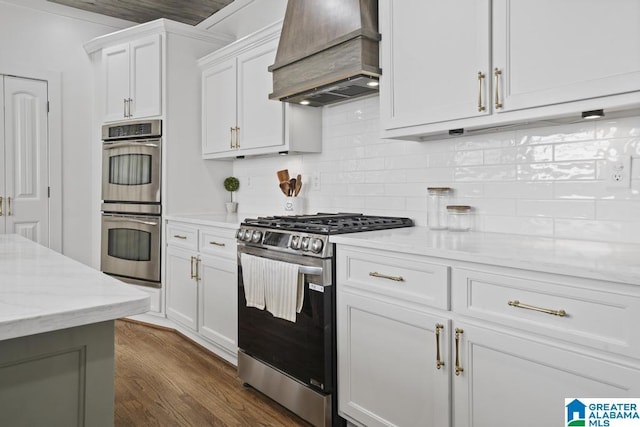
273 285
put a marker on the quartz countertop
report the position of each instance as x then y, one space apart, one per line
594 260
42 291
212 219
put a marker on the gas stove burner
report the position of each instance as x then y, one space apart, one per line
327 223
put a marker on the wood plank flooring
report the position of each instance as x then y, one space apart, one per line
163 379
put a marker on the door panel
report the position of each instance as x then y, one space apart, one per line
26 202
116 81
219 108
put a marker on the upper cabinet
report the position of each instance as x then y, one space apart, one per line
133 76
484 63
238 119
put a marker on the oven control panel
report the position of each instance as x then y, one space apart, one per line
286 241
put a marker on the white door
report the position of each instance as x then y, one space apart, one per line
432 52
552 52
260 120
116 82
219 108
218 301
24 185
146 77
510 380
387 364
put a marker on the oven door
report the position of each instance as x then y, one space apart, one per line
131 171
305 349
131 247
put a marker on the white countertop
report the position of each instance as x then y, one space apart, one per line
42 290
213 219
595 260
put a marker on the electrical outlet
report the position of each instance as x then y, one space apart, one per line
618 172
248 182
315 181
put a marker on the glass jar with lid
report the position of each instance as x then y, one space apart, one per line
437 200
458 217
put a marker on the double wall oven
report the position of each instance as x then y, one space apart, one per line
131 195
294 363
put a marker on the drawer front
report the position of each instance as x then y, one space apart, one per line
560 308
182 235
218 241
409 278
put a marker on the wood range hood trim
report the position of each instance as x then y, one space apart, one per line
328 52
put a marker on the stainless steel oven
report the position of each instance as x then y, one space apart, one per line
131 162
294 362
131 247
131 208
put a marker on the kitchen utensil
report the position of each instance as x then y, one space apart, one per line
292 186
283 175
298 185
284 186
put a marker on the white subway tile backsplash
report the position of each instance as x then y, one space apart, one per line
543 181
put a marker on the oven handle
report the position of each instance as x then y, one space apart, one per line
302 269
123 219
113 145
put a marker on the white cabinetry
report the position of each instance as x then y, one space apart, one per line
132 79
201 282
480 64
513 345
238 118
388 354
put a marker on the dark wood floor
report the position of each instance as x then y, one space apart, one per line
163 379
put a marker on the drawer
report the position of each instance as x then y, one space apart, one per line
555 306
404 277
182 235
218 241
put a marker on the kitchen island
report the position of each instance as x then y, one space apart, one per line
57 336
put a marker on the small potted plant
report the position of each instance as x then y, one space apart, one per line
231 184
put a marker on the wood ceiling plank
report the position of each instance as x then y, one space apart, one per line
189 12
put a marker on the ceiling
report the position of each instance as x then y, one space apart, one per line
190 12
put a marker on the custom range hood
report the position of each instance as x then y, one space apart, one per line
328 52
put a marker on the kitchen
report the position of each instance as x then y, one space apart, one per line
540 181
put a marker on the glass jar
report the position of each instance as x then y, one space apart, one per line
458 218
437 200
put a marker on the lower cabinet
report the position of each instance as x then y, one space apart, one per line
201 284
392 371
508 379
507 349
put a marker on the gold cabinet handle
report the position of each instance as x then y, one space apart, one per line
8 206
217 244
458 366
178 236
0 205
518 304
384 276
198 269
129 108
193 276
237 137
496 74
231 137
439 361
481 106
124 106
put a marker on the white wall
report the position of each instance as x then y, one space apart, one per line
545 181
36 35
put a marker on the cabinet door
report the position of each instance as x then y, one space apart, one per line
115 63
182 289
146 77
219 108
260 120
387 372
219 302
558 51
510 380
432 52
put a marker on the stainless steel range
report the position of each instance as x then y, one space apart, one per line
294 362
